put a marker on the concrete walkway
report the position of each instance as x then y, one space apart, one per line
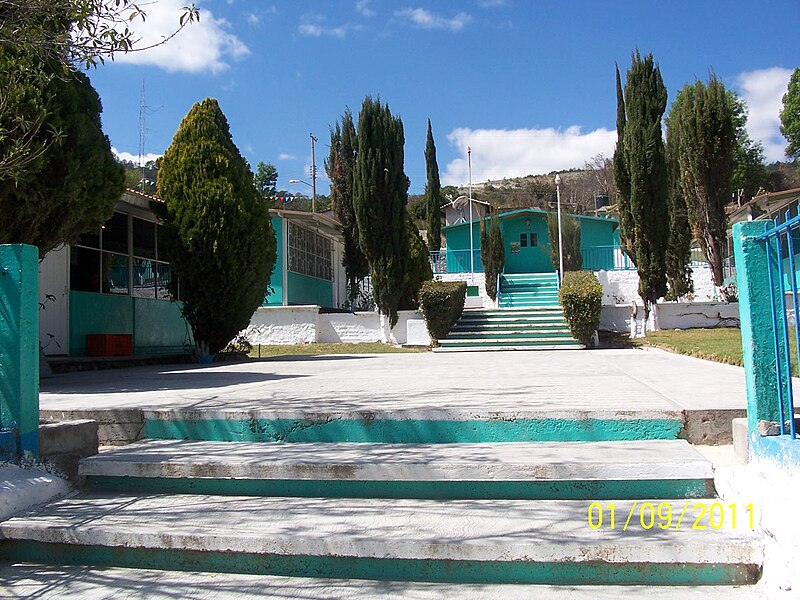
482 383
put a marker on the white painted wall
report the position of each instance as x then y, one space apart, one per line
479 279
272 325
54 317
622 287
673 315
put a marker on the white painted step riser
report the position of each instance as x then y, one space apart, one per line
512 461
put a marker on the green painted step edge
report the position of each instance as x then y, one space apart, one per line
415 430
384 569
666 489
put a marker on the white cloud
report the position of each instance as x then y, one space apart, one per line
286 156
134 158
203 46
362 8
315 25
425 19
763 91
499 153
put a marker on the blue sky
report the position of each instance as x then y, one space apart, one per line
528 84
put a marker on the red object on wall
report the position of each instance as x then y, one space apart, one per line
109 344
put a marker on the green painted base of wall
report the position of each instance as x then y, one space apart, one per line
414 431
386 569
428 490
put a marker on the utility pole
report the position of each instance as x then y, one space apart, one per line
313 175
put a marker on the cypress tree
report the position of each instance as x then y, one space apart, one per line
380 195
419 268
702 125
571 236
679 275
645 102
622 180
67 182
219 235
493 254
340 167
433 195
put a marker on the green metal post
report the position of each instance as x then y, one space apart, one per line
19 346
757 323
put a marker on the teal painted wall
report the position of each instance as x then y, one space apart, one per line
157 325
276 281
309 290
19 350
529 259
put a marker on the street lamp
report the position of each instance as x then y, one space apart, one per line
560 244
471 244
313 193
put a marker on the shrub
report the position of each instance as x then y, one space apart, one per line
580 296
441 303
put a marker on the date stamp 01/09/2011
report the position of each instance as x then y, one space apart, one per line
691 515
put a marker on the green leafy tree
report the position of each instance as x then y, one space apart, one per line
419 268
647 227
433 194
679 251
380 195
701 126
265 180
749 171
449 193
219 235
340 167
78 32
72 182
790 115
493 253
571 237
622 180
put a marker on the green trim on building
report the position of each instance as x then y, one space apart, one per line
309 290
275 298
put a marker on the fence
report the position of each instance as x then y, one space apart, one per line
455 261
779 242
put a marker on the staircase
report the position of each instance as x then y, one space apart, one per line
479 512
529 317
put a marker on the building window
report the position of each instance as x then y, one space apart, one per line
534 240
523 240
310 253
121 258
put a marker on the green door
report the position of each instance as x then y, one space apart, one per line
527 245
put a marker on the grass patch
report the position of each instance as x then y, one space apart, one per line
337 348
720 344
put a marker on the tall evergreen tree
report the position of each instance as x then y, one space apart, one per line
571 237
380 195
702 126
340 167
60 179
419 268
433 194
622 179
679 251
645 102
493 253
219 235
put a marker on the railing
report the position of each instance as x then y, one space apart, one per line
780 241
612 258
455 261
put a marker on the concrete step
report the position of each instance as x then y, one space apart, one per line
48 582
530 340
459 541
507 347
510 333
531 470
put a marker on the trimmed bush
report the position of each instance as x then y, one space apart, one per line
441 303
580 297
